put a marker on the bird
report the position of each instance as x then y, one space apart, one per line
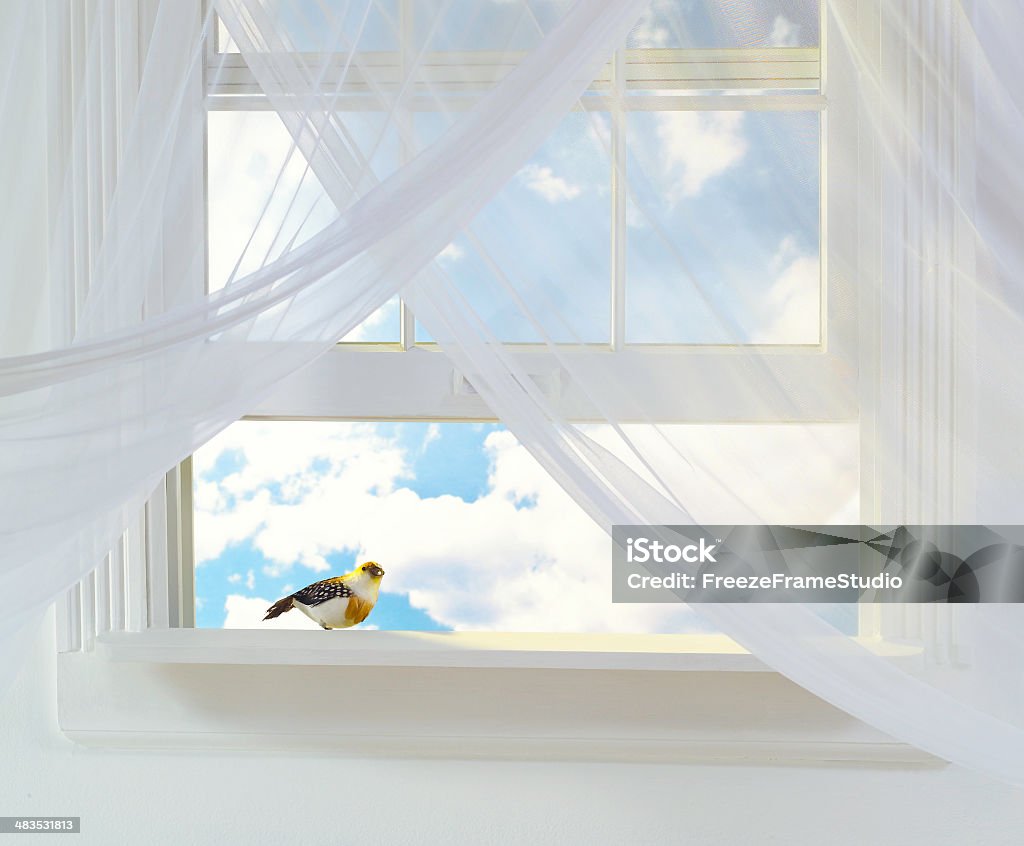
336 603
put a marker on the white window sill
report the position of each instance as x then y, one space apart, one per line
484 650
501 696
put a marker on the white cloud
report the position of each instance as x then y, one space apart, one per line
233 525
207 496
386 315
651 29
248 150
433 434
453 252
262 197
784 33
636 218
296 456
543 181
484 564
792 309
648 34
786 252
490 565
694 147
598 133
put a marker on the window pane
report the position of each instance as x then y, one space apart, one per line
330 25
472 533
756 473
723 228
454 25
263 199
740 23
544 241
381 327
250 220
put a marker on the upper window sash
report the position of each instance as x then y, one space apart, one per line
668 382
346 76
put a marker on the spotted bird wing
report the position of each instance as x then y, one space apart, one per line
319 592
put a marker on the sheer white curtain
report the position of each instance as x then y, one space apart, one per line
150 368
922 212
923 292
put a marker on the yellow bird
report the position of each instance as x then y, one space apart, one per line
335 603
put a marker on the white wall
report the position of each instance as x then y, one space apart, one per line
244 798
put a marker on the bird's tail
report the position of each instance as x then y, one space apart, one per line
278 608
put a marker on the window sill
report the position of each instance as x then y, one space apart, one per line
462 695
483 650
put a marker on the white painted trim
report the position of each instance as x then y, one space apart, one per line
764 102
610 710
787 68
156 558
669 384
90 606
484 650
929 478
137 611
518 748
619 203
131 587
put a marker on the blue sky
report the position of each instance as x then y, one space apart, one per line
509 24
443 459
228 575
472 532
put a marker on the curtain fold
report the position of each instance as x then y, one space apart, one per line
920 129
921 213
100 419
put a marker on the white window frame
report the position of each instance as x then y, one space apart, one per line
430 388
132 672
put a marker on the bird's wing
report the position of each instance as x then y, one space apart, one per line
322 591
357 610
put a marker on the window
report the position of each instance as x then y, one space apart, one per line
133 632
685 194
686 145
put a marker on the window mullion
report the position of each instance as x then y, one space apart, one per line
619 196
404 117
